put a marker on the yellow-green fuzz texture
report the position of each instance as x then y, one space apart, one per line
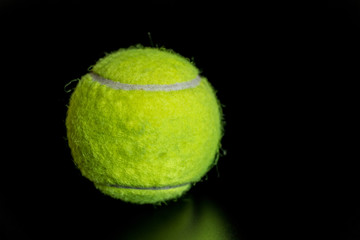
138 145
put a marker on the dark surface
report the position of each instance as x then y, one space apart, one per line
285 74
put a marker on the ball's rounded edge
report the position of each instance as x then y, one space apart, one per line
220 151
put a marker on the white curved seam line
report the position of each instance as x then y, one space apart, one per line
147 87
147 188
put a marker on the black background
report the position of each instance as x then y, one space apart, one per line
285 73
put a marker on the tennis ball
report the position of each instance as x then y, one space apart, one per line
143 126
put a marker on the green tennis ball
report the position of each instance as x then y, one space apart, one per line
143 126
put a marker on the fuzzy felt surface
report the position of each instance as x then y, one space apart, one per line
144 138
151 65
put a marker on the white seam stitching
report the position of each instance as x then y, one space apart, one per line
146 188
147 87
